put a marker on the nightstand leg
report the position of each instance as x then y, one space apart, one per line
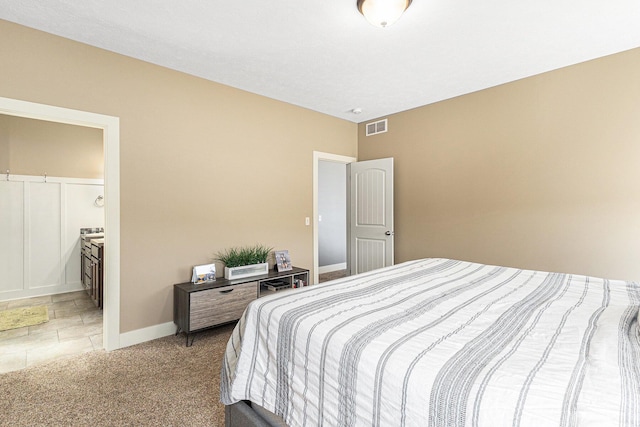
193 337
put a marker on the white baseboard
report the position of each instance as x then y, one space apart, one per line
38 292
333 267
147 334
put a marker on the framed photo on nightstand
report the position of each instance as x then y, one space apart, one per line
283 261
203 273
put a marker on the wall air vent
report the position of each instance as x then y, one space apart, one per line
375 128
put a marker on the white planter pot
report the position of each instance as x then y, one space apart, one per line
246 271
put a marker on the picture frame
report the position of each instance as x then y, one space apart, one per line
283 260
203 273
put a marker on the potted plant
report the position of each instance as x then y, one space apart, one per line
244 261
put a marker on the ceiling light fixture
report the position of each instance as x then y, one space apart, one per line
382 13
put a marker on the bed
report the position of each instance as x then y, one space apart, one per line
441 342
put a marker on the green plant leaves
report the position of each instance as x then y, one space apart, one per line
247 255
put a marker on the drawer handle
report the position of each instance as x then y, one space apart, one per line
226 292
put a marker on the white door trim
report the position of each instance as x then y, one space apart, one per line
317 157
111 134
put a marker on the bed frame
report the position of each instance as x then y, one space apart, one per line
246 414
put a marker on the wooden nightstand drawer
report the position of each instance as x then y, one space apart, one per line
205 305
220 305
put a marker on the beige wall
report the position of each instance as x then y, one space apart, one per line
541 173
203 166
36 147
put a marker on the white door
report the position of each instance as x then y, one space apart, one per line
370 195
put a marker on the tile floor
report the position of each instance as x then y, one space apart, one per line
74 326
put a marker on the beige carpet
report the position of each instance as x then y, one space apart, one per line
158 383
24 316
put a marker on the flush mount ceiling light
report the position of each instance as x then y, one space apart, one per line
383 13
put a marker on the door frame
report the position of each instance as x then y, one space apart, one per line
317 157
111 142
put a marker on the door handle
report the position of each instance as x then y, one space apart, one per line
226 291
389 233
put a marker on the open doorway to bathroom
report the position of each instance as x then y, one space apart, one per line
52 186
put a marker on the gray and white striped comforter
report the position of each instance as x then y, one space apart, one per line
440 342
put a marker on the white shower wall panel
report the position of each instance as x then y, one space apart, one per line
11 236
41 223
44 260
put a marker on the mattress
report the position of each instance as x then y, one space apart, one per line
442 342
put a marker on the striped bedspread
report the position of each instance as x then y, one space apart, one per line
439 342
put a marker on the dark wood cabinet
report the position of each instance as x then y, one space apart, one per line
97 278
92 264
201 306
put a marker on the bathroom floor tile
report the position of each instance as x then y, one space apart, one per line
59 350
75 326
86 304
55 324
12 333
69 296
79 331
27 342
62 305
13 361
29 302
96 340
91 317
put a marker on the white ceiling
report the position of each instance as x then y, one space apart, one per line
323 55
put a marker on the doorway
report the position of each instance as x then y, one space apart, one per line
111 135
318 159
332 221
